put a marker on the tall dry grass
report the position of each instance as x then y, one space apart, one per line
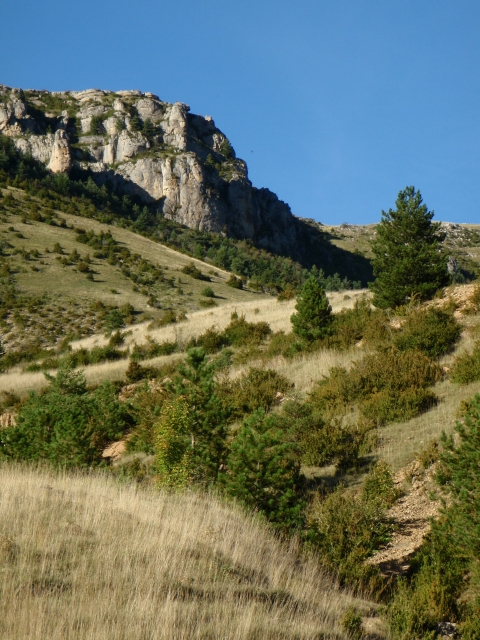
85 557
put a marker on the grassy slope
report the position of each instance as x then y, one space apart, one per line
68 293
85 557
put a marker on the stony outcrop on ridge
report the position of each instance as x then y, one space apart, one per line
180 162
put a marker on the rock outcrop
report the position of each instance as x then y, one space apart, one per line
160 152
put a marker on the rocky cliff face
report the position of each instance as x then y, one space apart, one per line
158 151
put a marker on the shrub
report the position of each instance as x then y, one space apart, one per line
234 282
432 331
254 389
151 349
96 126
192 271
283 344
173 445
208 302
346 529
66 425
388 386
466 367
211 341
135 372
208 292
350 326
195 385
240 332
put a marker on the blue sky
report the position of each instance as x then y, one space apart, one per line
335 105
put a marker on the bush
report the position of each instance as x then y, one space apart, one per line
173 448
211 341
66 425
240 332
192 271
151 349
432 331
322 442
346 530
283 344
350 326
254 389
387 386
135 372
234 282
208 292
466 367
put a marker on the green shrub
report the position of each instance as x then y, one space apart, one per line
466 367
234 282
96 126
313 317
151 349
254 389
66 425
387 386
173 445
283 344
135 372
211 341
240 332
208 302
389 405
350 326
192 271
346 529
208 292
432 331
352 623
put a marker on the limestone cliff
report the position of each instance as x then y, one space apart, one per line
180 162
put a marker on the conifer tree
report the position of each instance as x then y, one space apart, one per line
408 262
313 318
195 384
263 471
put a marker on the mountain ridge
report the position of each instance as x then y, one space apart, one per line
179 162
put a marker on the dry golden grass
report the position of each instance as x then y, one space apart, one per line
277 314
85 557
302 371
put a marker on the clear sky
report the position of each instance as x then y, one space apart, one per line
335 105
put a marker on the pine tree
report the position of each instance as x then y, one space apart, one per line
263 471
196 386
148 129
408 262
313 318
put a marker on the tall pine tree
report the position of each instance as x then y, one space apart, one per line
408 261
314 313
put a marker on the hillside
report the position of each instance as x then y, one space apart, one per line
85 557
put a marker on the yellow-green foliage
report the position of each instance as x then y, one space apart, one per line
173 446
466 367
387 386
